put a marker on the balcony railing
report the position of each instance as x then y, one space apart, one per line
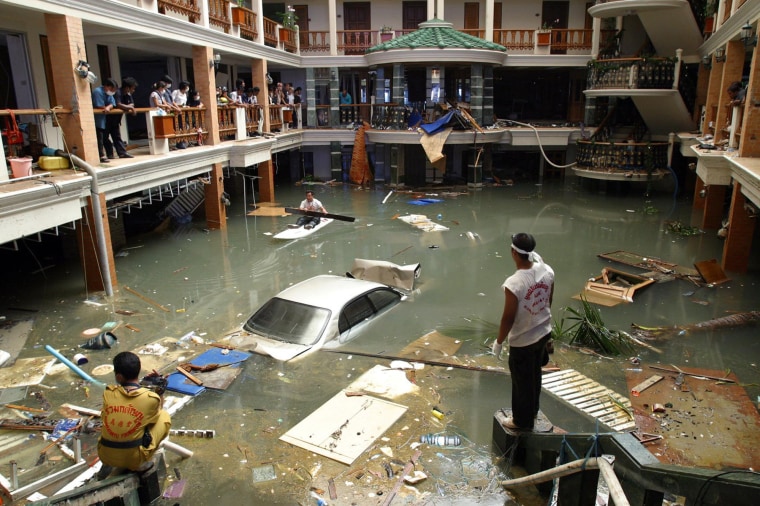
187 8
631 73
625 157
218 14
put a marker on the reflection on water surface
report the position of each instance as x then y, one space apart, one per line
210 281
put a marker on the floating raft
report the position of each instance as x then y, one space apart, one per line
592 398
422 222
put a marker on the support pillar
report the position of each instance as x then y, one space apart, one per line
216 211
476 92
475 170
66 43
88 246
736 251
712 215
336 161
397 165
205 83
259 76
266 183
311 98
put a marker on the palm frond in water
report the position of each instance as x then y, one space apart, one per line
588 329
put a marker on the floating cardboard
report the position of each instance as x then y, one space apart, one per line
710 424
432 346
13 335
25 372
422 222
345 426
388 273
161 353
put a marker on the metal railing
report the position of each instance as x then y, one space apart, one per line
622 156
631 73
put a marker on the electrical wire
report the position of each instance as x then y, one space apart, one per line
541 147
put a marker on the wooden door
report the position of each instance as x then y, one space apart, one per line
554 15
497 15
302 13
413 13
471 15
357 20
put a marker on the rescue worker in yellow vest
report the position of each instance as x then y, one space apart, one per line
133 422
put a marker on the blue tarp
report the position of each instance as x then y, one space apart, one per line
453 118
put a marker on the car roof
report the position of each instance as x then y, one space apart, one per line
328 291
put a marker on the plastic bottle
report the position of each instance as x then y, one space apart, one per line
440 440
440 216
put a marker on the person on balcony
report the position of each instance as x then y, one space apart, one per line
736 93
103 101
345 101
157 97
237 95
126 103
168 97
297 103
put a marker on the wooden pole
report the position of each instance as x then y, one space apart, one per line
146 299
428 362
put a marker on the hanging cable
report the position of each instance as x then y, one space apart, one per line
541 147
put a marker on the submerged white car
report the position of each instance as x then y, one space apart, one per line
323 310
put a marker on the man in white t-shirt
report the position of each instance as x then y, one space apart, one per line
526 323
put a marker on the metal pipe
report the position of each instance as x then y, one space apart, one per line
73 367
105 265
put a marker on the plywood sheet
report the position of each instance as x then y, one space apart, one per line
25 372
432 346
650 263
705 423
268 211
345 426
711 272
161 353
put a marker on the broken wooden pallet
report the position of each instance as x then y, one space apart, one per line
594 399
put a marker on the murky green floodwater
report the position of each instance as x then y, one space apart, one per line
211 281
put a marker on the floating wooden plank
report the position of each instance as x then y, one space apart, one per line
649 263
711 272
431 346
635 391
590 397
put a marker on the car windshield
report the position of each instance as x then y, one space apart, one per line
289 321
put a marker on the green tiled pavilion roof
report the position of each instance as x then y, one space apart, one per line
437 34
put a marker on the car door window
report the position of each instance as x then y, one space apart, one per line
356 312
383 298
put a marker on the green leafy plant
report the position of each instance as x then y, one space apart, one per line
288 19
386 29
586 328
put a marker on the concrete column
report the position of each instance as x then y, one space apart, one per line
714 199
266 183
396 164
476 92
398 84
489 20
311 98
88 248
332 16
732 71
596 36
259 76
748 141
336 161
66 42
736 251
216 211
431 8
334 97
205 83
488 114
475 170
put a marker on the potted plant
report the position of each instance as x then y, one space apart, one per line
709 12
386 34
238 13
544 34
289 23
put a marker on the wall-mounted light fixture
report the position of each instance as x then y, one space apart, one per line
707 61
751 209
215 61
703 191
748 35
83 71
720 54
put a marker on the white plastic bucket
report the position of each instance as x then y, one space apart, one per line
21 167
